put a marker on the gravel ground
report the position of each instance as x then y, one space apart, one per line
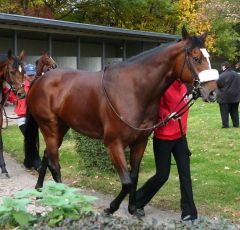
21 178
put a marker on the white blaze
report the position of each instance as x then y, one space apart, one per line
210 74
206 55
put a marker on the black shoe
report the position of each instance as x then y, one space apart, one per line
225 127
140 212
189 218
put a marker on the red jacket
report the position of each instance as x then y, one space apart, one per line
21 106
168 103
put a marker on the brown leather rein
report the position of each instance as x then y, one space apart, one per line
172 115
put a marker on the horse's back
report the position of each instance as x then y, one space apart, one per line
71 96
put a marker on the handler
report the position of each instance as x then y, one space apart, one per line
167 140
21 106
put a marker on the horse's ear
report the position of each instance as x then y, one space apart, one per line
204 36
22 55
44 52
185 34
9 53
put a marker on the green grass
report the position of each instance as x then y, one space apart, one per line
215 165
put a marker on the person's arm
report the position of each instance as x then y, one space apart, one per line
221 81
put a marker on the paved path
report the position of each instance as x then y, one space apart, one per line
20 178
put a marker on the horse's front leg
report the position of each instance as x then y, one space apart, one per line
136 154
117 156
53 135
2 161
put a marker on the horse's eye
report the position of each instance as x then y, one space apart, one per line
196 60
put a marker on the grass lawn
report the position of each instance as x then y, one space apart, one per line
215 164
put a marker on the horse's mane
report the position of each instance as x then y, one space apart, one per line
149 52
196 41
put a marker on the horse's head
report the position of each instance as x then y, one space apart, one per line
14 73
44 64
193 66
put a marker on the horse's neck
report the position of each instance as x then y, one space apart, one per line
40 69
154 76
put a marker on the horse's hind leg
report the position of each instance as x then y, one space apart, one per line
117 156
53 135
42 171
2 162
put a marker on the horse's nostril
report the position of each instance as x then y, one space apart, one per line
212 96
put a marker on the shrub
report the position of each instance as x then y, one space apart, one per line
92 153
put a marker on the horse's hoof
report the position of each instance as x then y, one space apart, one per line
108 211
139 213
5 175
38 187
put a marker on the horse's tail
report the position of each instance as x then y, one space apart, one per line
31 143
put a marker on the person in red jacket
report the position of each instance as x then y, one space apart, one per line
21 106
171 139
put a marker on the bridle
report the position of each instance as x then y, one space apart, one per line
8 79
196 81
173 115
8 76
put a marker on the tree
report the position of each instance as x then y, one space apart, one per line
225 17
219 18
150 15
53 9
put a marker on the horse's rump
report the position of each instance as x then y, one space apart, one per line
71 96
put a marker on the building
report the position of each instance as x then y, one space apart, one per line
74 45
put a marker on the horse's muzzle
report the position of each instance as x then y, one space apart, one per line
212 96
21 95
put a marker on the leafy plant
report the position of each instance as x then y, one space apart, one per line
13 213
59 202
65 202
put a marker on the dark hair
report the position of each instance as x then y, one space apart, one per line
226 64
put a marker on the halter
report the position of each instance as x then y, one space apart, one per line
8 79
173 115
17 66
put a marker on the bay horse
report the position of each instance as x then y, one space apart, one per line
11 78
118 105
44 64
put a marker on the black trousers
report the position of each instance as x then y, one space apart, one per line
232 109
163 149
